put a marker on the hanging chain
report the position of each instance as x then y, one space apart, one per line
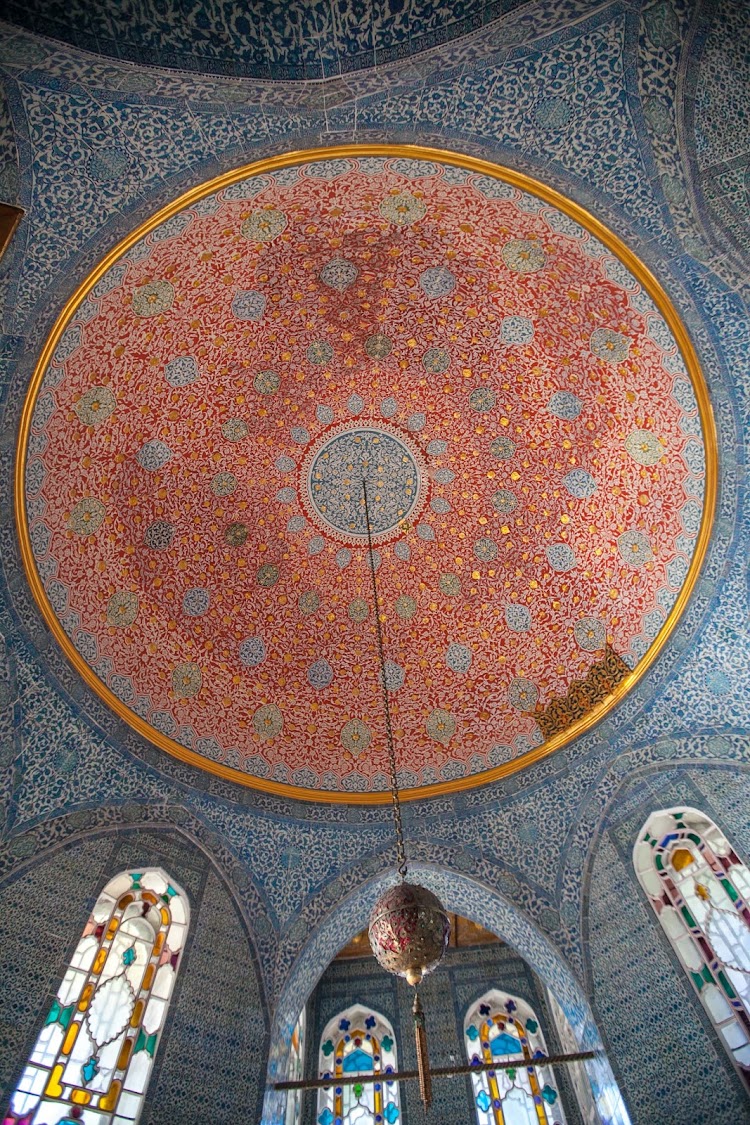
400 851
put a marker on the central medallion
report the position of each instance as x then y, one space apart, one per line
332 476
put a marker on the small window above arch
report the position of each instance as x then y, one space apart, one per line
358 1041
502 1028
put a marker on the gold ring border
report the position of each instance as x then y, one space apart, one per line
471 164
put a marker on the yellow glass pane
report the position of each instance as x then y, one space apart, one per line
70 1038
53 1088
682 858
109 1101
124 1056
83 1003
81 1097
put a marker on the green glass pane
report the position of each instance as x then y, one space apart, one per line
386 1043
688 917
729 889
54 1013
659 864
697 980
327 1048
66 1015
145 1043
358 1088
726 985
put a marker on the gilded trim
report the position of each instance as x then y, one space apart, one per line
471 164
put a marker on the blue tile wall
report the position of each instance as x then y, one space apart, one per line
292 40
638 111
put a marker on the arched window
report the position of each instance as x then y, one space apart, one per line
699 888
94 1054
497 1028
358 1041
296 1071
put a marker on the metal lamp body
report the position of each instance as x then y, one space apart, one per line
409 931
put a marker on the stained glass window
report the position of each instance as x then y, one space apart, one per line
699 889
296 1071
501 1028
94 1055
358 1042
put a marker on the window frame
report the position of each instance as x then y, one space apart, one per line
683 828
505 1008
135 933
358 1021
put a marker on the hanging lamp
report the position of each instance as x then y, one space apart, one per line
409 928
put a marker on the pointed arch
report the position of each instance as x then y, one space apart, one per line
95 1051
500 1027
358 1041
699 889
475 899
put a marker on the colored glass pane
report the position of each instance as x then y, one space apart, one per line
500 1026
358 1041
696 885
297 1068
98 1041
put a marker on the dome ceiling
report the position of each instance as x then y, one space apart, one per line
207 409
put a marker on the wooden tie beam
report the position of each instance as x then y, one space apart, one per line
438 1072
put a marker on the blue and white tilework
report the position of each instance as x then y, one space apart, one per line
588 101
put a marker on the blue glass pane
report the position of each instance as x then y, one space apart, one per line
357 1062
472 1032
549 1095
484 1101
326 1117
505 1044
390 1113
